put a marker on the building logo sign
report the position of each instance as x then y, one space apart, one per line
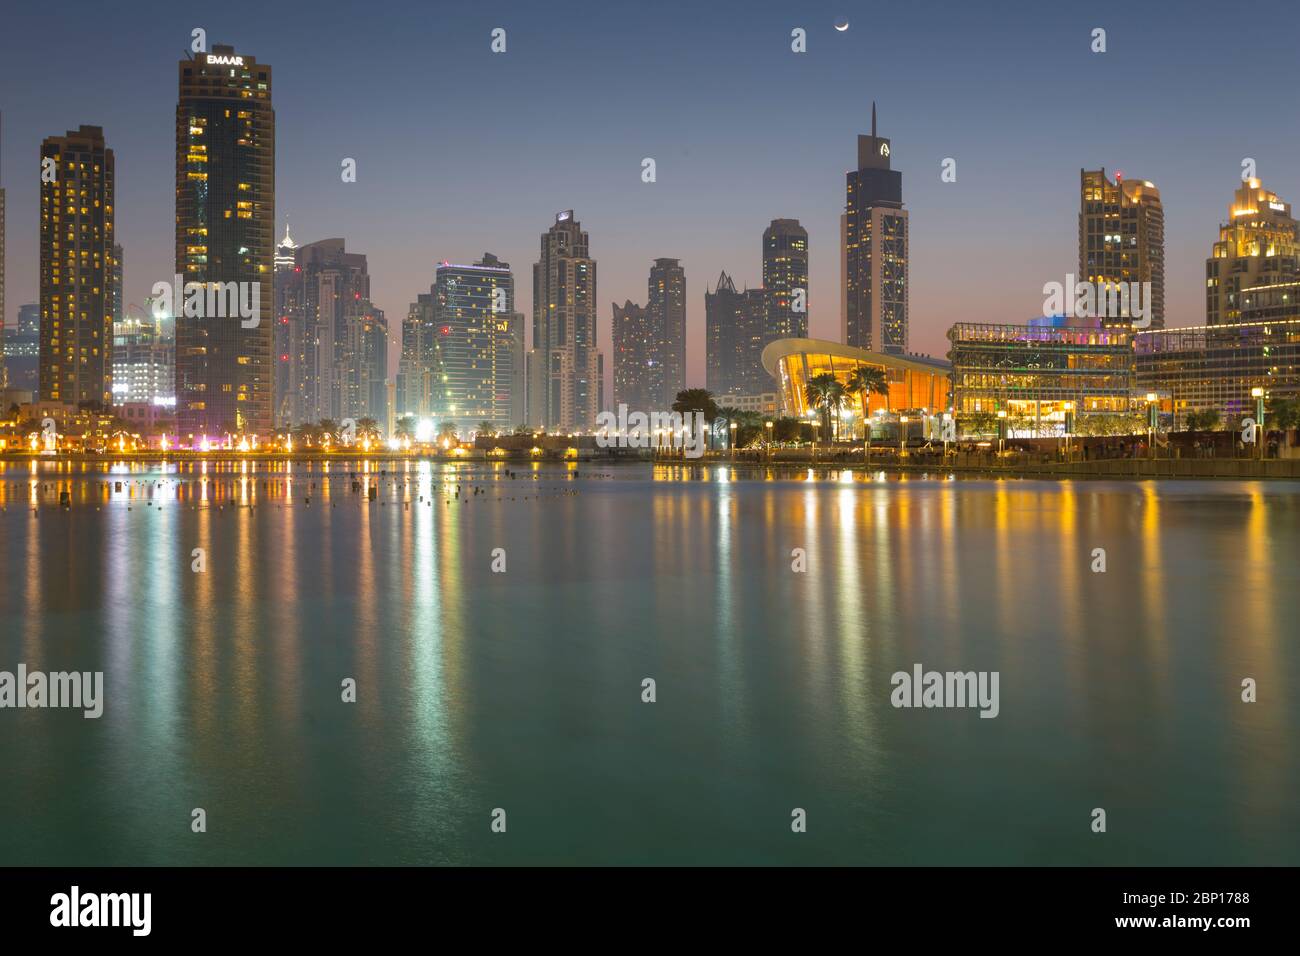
214 60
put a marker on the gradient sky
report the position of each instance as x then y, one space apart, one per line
462 151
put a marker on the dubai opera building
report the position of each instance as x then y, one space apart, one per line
917 383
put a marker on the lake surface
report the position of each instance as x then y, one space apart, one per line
522 690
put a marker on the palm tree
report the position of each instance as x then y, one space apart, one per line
486 428
368 428
328 429
826 393
307 434
405 427
865 381
447 431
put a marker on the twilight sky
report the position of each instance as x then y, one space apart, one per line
462 151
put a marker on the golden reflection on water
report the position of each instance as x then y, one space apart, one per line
893 567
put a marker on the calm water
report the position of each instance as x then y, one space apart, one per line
522 690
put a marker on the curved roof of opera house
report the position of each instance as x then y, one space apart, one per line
783 348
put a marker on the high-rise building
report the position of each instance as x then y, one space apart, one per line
735 334
1122 239
22 348
289 352
785 279
1258 246
115 290
476 328
418 367
874 233
631 336
650 343
666 307
326 319
370 374
225 223
565 367
76 272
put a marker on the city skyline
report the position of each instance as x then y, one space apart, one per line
718 169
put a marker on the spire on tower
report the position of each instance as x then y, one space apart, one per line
873 119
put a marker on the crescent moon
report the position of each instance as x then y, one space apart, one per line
842 28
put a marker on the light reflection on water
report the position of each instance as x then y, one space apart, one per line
522 690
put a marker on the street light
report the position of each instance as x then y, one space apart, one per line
768 426
1002 429
1258 394
732 439
1069 426
902 436
1153 410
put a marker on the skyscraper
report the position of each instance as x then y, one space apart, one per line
735 334
326 302
565 367
22 348
785 279
874 233
225 221
76 276
418 367
118 305
288 355
1122 239
1258 246
631 336
666 307
476 328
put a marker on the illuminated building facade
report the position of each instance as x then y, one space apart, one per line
874 233
22 348
1258 246
327 324
785 280
76 270
735 336
631 334
916 383
1122 238
144 363
225 221
1215 367
650 343
289 350
1032 371
666 308
418 368
474 341
565 367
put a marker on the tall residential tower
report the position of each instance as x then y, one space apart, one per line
76 275
565 368
225 222
1122 239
